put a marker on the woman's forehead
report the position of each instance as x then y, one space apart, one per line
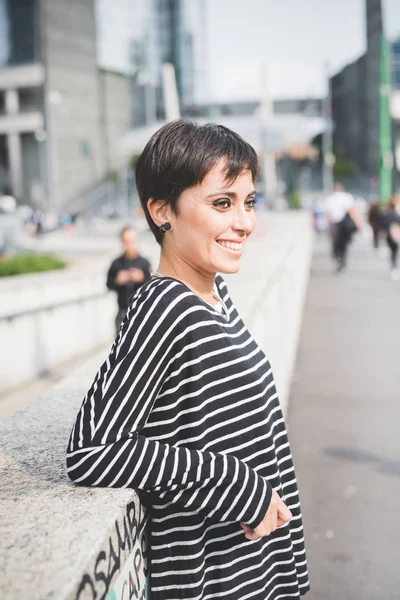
217 176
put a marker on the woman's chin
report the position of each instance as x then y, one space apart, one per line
229 267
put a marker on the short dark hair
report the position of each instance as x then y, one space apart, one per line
180 154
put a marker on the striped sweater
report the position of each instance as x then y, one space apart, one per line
185 411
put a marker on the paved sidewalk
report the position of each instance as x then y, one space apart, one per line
344 421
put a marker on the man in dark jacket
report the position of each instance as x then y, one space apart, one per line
127 273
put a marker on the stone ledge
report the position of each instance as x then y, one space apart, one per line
52 531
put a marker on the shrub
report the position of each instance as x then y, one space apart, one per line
29 262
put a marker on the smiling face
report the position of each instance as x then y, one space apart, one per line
214 221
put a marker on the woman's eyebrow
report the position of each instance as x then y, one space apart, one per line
230 194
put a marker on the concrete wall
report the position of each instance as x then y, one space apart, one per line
84 543
49 318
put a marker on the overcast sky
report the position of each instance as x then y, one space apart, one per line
293 38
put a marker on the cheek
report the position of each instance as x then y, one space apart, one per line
200 229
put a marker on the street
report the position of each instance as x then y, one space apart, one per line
344 417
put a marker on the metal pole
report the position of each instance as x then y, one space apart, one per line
385 125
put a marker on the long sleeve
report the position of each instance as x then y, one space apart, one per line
107 447
111 275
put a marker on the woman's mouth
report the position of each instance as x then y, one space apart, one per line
234 247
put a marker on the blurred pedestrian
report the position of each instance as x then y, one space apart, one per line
38 218
318 216
374 219
185 409
391 223
344 220
127 273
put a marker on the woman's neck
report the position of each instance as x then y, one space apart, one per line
200 283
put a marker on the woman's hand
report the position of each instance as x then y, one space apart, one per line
277 515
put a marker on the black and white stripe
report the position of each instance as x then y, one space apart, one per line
185 411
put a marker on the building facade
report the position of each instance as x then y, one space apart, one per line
21 94
59 114
349 112
355 92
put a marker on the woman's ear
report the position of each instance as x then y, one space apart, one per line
160 212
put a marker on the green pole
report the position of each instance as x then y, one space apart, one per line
385 125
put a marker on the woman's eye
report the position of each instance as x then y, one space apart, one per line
251 203
225 203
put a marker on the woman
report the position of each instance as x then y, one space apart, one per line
391 223
184 409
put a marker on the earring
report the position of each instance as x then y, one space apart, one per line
165 227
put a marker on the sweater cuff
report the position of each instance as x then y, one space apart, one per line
263 506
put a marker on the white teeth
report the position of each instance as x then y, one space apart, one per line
231 245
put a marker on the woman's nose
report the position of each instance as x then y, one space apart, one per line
243 221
